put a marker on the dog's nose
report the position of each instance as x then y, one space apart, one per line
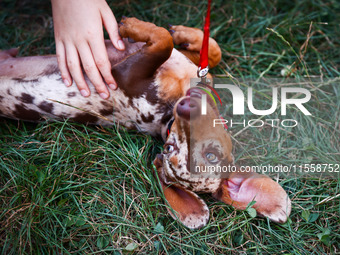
187 108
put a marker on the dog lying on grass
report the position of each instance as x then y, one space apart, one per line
153 96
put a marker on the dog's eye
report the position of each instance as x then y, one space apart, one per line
211 157
168 148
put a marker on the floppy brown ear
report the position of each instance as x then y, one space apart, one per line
188 207
271 199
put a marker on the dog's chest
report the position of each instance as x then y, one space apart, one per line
140 113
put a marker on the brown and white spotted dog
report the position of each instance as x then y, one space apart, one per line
152 78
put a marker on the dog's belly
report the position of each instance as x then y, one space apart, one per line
48 98
31 89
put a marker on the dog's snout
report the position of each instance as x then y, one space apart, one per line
187 108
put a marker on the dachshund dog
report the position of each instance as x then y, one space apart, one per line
154 97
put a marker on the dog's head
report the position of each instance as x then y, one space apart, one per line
195 145
192 144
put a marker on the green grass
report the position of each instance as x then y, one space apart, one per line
67 188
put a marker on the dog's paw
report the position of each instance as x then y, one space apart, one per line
187 37
125 26
135 29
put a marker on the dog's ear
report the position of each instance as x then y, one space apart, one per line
185 205
271 199
189 208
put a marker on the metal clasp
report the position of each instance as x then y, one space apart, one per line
202 72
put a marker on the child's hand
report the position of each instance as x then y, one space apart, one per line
79 37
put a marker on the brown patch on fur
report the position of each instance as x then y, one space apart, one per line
45 106
106 111
171 87
49 70
174 162
147 119
71 94
25 114
194 56
85 118
25 98
107 108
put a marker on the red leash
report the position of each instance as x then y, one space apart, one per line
203 67
204 60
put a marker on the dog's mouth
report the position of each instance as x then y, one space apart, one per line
234 185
